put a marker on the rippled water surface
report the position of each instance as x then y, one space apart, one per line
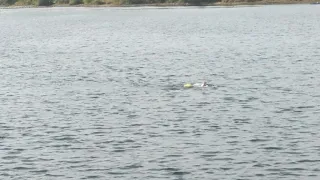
97 93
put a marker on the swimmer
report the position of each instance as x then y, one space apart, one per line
189 85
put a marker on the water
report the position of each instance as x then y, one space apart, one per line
97 93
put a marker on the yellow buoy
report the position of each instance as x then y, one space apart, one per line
188 85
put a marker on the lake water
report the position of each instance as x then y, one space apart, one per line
97 93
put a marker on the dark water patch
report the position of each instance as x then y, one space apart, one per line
73 161
125 141
222 159
232 142
169 169
305 107
5 174
116 173
95 169
46 101
294 169
132 116
77 166
292 152
180 173
289 174
273 170
135 146
261 165
119 150
155 135
10 157
182 132
43 159
92 177
273 148
242 120
248 99
98 133
225 168
205 121
316 169
138 125
213 127
232 99
283 110
7 128
22 168
132 166
309 161
64 138
313 175
259 140
54 175
208 155
39 171
210 172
